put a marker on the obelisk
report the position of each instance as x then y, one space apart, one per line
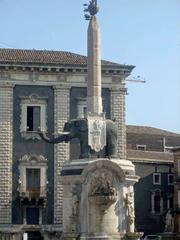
94 99
95 116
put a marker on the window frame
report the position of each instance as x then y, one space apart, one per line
42 116
33 101
33 171
169 201
170 175
29 161
156 193
81 104
154 176
141 146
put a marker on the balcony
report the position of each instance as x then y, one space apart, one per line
33 194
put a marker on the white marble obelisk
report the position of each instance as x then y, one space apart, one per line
94 99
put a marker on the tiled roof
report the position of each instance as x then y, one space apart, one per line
24 56
149 130
149 155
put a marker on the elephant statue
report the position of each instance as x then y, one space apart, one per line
78 128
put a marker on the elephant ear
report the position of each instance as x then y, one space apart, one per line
81 125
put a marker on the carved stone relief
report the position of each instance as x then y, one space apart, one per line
102 188
129 200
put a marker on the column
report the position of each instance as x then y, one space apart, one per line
6 147
118 113
61 150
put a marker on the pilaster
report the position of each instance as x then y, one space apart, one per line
61 150
6 145
118 113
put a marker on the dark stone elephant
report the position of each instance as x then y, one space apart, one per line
78 128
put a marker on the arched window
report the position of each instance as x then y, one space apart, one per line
157 204
156 201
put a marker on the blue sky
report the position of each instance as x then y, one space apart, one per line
145 33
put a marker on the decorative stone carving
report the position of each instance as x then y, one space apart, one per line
130 208
96 131
168 222
75 209
32 159
33 98
102 190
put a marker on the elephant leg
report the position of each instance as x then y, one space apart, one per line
111 148
84 148
111 151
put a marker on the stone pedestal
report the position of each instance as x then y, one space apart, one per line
98 198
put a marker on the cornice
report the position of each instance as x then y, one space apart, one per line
61 87
123 71
150 161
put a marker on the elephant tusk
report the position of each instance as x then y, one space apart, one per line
64 133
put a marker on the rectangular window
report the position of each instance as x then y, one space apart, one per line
32 215
170 203
33 118
33 181
170 179
156 178
141 147
81 108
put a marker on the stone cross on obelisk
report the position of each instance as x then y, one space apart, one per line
95 115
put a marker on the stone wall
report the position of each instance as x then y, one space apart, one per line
61 151
6 137
118 113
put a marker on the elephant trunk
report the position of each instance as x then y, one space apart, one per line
61 138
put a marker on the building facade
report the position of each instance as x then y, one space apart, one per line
41 90
177 190
148 148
